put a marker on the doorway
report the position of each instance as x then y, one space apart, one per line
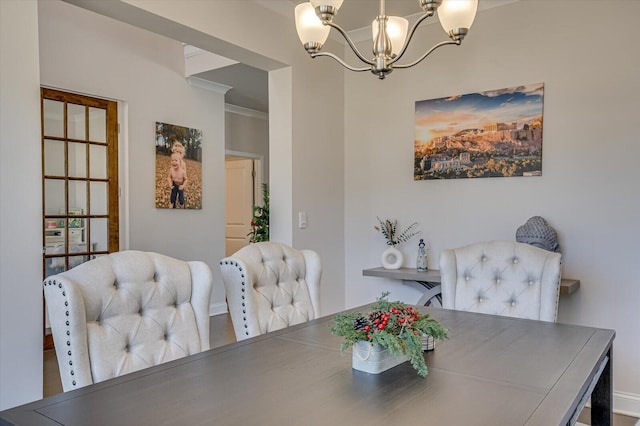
243 182
80 181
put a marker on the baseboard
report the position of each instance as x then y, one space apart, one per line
627 404
217 309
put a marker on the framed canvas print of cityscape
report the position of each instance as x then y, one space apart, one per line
178 167
496 133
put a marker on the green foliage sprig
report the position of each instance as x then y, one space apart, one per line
260 222
393 325
389 229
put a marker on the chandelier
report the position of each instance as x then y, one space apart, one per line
314 20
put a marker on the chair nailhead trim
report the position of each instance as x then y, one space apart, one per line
67 323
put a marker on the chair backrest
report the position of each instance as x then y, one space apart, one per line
124 312
503 278
271 286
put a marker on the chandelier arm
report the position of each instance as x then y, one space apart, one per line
350 42
410 36
444 43
340 61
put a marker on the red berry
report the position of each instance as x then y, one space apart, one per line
380 326
368 336
376 321
367 328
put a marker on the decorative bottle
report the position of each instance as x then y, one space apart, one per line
421 263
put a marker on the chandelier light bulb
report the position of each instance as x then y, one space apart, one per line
396 30
309 27
457 14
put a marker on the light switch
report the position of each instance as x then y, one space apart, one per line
302 220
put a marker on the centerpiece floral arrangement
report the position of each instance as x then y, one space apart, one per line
393 325
389 229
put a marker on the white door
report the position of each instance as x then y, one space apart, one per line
239 202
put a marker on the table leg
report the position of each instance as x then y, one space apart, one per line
602 396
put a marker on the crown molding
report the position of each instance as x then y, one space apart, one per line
208 85
235 109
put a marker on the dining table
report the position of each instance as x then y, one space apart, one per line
491 370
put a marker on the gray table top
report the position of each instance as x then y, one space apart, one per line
493 370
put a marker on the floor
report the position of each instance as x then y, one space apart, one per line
221 333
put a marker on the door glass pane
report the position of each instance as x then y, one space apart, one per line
99 198
54 200
77 260
80 247
77 197
53 158
99 234
53 265
53 118
77 240
77 159
98 161
97 125
54 236
76 122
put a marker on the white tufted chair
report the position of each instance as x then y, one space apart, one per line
502 278
271 286
124 312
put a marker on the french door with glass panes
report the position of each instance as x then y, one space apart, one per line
80 179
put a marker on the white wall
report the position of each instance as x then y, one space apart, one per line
587 56
248 133
307 135
20 206
84 52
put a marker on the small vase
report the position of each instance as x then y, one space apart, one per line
392 258
373 359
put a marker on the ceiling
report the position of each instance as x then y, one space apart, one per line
250 85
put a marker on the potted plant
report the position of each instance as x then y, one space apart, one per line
392 326
392 258
260 222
